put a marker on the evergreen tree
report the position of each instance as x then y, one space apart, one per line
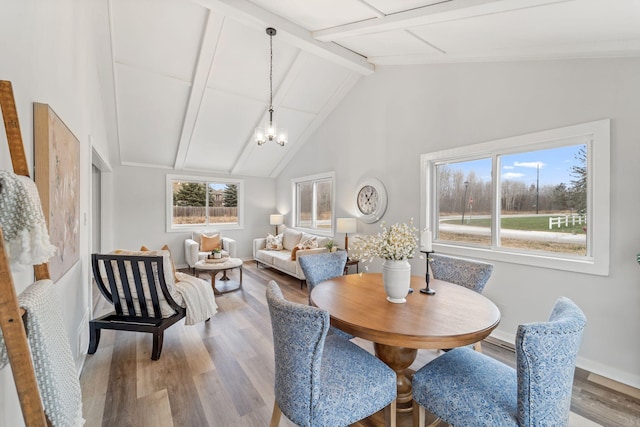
190 194
230 197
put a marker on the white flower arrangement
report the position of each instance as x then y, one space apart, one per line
396 242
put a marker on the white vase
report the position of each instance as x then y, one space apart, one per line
396 276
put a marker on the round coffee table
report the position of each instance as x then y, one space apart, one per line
213 267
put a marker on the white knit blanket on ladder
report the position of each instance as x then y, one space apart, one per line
51 353
23 226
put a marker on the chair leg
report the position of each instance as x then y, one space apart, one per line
158 338
275 416
418 415
390 414
94 338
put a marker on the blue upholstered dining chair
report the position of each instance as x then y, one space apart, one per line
469 273
324 266
320 378
466 388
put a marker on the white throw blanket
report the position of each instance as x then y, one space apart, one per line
198 297
51 353
23 226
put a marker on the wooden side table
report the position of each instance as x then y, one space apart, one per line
351 262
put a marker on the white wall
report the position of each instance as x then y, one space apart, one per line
139 212
46 53
398 113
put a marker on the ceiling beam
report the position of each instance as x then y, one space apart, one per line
208 48
441 12
290 33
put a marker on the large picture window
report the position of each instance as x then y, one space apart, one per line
313 198
195 202
539 199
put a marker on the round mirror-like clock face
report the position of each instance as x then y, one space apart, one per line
367 200
370 200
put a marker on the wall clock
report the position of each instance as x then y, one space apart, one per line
371 200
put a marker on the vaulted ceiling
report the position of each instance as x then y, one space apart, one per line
189 79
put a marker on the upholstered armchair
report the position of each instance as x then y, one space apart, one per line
321 379
469 273
466 388
194 251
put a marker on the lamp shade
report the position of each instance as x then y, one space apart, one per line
276 219
346 225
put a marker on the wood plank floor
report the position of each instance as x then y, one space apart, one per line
220 373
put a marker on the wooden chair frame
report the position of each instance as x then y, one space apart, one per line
150 319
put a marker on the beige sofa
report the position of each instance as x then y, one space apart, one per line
281 259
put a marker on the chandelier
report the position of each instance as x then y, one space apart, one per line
270 132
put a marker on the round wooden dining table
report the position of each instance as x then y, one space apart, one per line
454 316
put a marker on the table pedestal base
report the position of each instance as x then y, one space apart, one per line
399 359
225 284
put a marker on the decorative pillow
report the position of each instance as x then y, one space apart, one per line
209 243
274 243
143 248
290 238
308 241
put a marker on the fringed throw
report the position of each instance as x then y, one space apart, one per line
23 225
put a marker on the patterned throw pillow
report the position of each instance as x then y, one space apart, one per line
274 243
308 241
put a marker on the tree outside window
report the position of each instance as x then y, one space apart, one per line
204 203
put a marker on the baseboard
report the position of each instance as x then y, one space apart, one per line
621 387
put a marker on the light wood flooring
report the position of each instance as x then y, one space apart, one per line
220 373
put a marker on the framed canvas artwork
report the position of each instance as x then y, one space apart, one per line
57 176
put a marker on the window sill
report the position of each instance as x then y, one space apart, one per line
554 261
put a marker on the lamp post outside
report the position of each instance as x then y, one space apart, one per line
464 200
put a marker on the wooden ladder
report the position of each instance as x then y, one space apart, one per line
11 314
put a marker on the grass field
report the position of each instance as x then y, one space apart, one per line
531 223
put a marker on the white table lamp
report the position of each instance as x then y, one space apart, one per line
346 226
276 219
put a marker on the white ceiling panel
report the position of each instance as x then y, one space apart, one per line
319 14
191 77
311 98
150 112
390 43
160 36
224 126
536 27
393 6
241 63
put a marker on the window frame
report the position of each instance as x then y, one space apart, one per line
595 134
173 228
326 176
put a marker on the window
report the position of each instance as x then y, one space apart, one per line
195 202
539 199
313 198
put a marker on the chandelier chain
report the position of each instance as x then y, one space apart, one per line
271 75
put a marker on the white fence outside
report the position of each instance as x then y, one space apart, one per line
565 220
